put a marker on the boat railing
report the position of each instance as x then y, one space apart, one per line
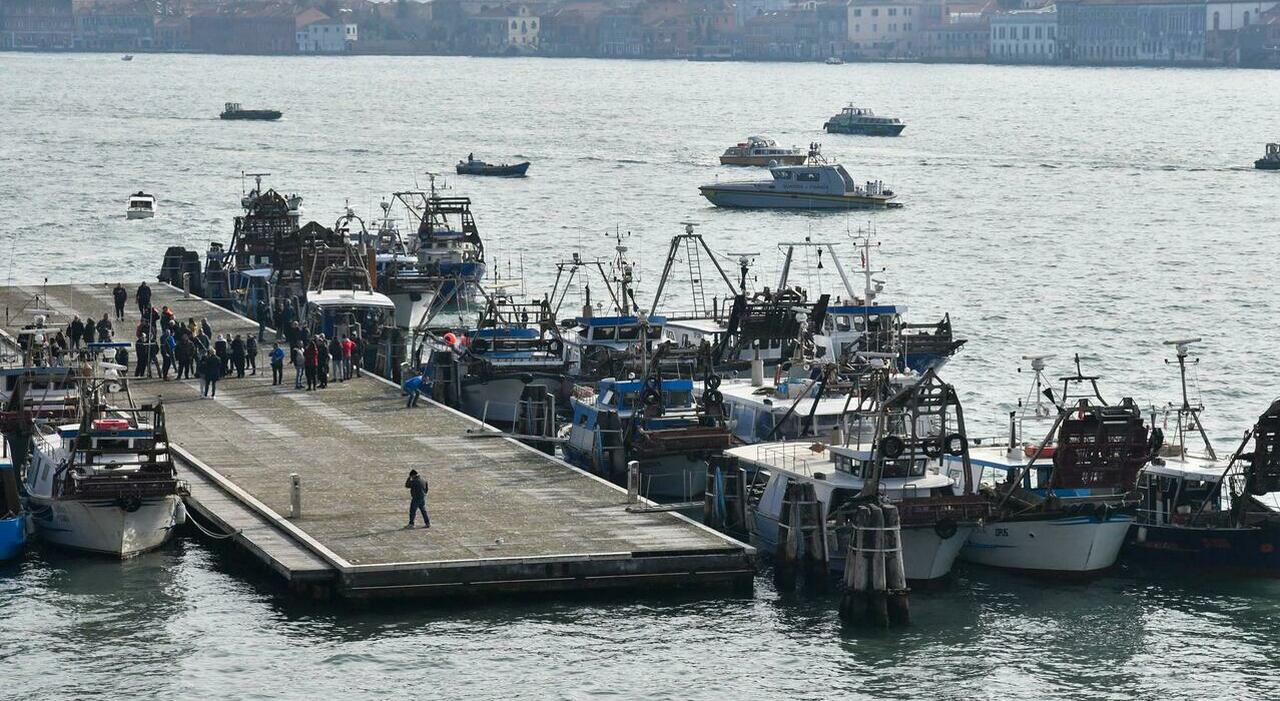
789 457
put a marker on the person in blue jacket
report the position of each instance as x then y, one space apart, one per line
413 387
277 364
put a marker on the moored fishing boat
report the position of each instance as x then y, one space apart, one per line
13 517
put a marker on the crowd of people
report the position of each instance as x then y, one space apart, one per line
164 345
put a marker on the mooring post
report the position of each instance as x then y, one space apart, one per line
878 606
186 285
633 481
895 572
295 495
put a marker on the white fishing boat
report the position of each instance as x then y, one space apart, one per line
817 184
141 206
107 484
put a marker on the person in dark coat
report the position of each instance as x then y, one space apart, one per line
119 296
418 488
140 352
251 354
322 362
104 329
223 353
205 328
153 355
311 359
237 355
357 355
143 297
184 353
335 358
167 347
277 364
74 331
264 318
211 367
122 359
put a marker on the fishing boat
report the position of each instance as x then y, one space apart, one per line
653 421
1270 161
1062 504
834 61
127 57
342 301
471 166
484 371
899 465
106 484
1204 511
761 151
862 121
818 184
141 206
13 517
233 110
448 250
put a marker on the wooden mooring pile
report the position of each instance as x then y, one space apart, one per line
875 583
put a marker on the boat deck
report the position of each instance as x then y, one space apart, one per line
504 516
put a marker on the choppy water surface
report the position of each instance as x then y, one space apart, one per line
1048 210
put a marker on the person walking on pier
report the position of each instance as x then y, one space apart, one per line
335 355
277 364
119 296
237 355
251 354
417 487
143 298
211 371
413 387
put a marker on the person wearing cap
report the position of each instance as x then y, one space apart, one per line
417 487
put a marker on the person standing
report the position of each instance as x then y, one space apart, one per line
167 348
264 315
104 329
335 354
251 354
75 331
357 354
298 357
143 298
119 296
237 355
322 362
220 350
140 351
277 364
312 360
184 353
413 387
348 347
417 487
211 373
153 355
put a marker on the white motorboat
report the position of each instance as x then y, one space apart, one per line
817 184
107 484
761 151
141 206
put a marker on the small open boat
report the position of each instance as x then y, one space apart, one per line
472 166
233 110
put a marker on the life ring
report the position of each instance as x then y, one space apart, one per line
891 447
954 443
713 382
946 528
932 447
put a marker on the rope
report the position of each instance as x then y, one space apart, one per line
216 536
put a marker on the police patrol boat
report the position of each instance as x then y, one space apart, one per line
817 185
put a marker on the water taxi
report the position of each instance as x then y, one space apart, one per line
761 151
860 120
141 206
817 184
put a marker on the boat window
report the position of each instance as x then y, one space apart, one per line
676 398
655 332
842 323
844 175
605 333
111 444
684 339
582 420
782 174
628 333
607 398
807 177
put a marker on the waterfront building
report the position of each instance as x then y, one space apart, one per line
36 25
884 28
1025 36
1131 31
1226 26
785 35
324 35
956 31
505 29
1259 43
249 28
114 25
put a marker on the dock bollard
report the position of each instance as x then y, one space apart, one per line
633 481
295 495
186 285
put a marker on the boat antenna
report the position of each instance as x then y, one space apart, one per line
1187 414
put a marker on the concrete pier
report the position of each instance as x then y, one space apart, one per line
505 517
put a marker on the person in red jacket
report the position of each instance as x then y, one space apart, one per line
348 347
313 364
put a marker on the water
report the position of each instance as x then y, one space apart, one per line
1097 211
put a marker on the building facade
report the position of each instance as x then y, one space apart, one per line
115 26
1025 36
1131 31
37 25
883 28
327 36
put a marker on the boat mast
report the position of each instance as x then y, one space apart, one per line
1188 414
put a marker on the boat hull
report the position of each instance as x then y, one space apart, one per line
410 307
762 161
516 170
496 400
1073 545
865 129
1244 550
255 115
1267 164
13 536
748 199
104 526
140 214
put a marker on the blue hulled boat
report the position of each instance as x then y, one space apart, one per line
13 517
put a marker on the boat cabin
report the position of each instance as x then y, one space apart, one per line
863 115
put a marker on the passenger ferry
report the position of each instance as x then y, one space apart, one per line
141 206
816 185
106 485
860 120
762 151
